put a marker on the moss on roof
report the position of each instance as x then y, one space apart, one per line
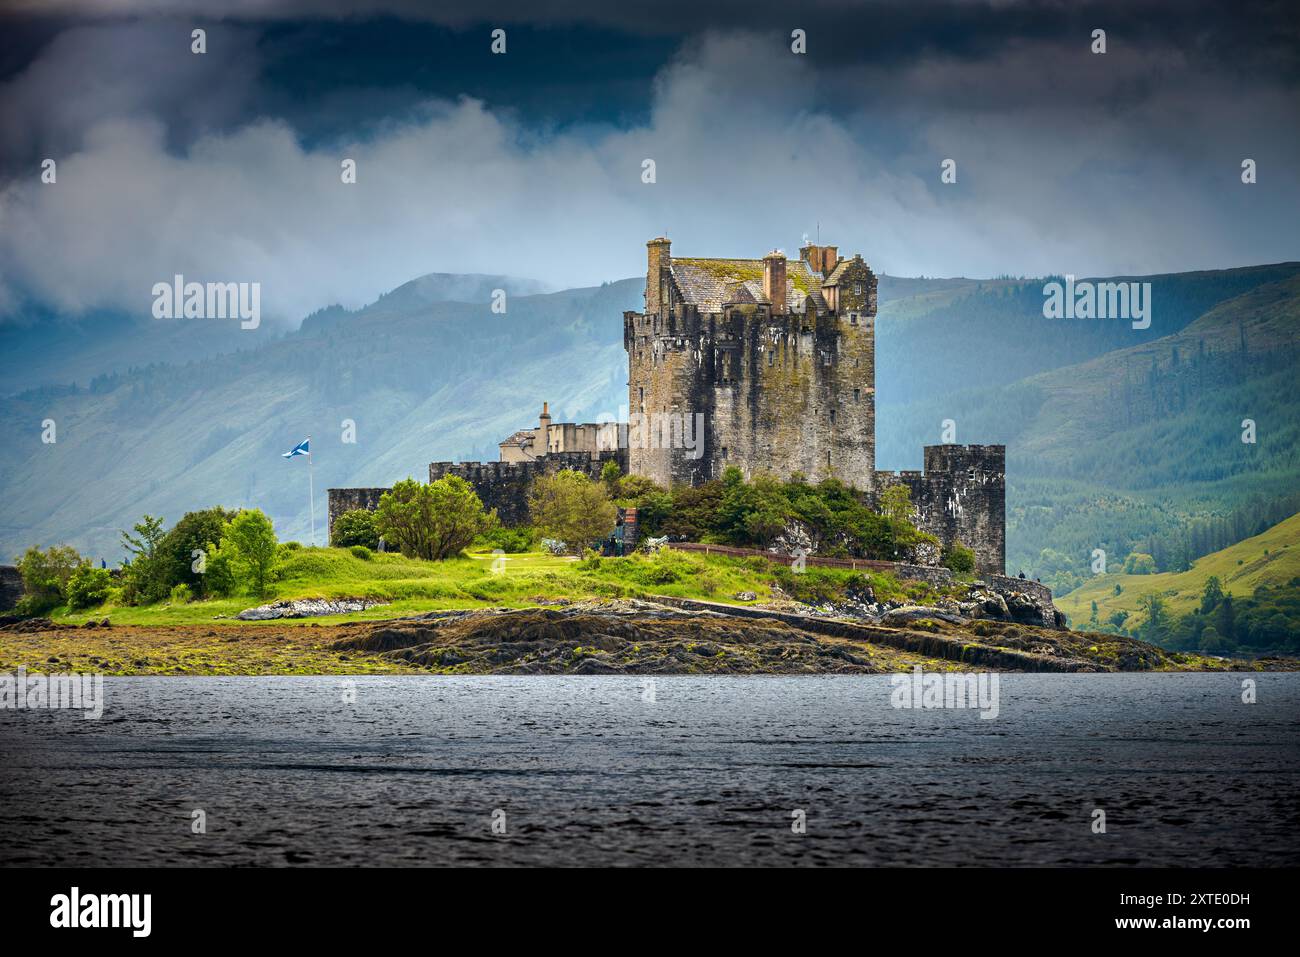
742 270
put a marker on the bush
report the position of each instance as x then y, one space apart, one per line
572 508
434 521
88 587
1139 563
356 527
45 577
512 541
181 594
361 552
250 537
959 559
220 578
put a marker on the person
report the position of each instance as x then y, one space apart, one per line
1022 573
102 563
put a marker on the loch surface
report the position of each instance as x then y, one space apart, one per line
689 770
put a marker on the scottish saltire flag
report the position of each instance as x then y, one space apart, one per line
299 449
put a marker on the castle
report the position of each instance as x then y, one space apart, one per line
765 364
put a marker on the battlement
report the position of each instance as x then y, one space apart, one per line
960 496
504 485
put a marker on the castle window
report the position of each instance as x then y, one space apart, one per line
853 318
832 416
771 356
857 395
724 451
857 289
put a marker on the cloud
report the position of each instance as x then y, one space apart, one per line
1131 171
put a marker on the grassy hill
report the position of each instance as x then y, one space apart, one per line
1272 558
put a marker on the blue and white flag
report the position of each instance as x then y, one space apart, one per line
299 449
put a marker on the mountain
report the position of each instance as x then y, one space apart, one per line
422 380
1117 438
1270 559
44 349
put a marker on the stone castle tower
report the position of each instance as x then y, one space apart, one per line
777 356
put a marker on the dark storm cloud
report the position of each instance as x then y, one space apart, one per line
530 163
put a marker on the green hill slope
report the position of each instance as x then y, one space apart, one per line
1272 559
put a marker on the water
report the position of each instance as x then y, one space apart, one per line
587 772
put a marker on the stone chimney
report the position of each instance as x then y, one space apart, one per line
544 421
658 258
822 259
774 279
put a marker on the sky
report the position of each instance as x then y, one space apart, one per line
225 166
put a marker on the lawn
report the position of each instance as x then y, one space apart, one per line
409 586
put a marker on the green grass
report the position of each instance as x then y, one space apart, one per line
410 586
1271 558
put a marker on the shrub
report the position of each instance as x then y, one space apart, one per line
572 508
434 521
88 587
181 594
356 527
219 578
361 552
512 541
251 538
45 577
959 559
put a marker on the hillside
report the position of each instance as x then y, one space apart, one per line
1117 438
1272 558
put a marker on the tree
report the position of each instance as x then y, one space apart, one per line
434 521
896 504
45 577
251 536
572 508
610 474
1212 595
198 531
1139 563
145 572
356 527
1156 626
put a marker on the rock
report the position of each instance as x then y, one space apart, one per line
901 617
90 623
745 596
307 608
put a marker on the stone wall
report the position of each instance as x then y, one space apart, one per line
961 496
504 486
11 587
349 499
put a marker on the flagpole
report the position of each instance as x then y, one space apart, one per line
311 493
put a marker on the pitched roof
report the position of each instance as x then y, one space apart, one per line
522 438
709 283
